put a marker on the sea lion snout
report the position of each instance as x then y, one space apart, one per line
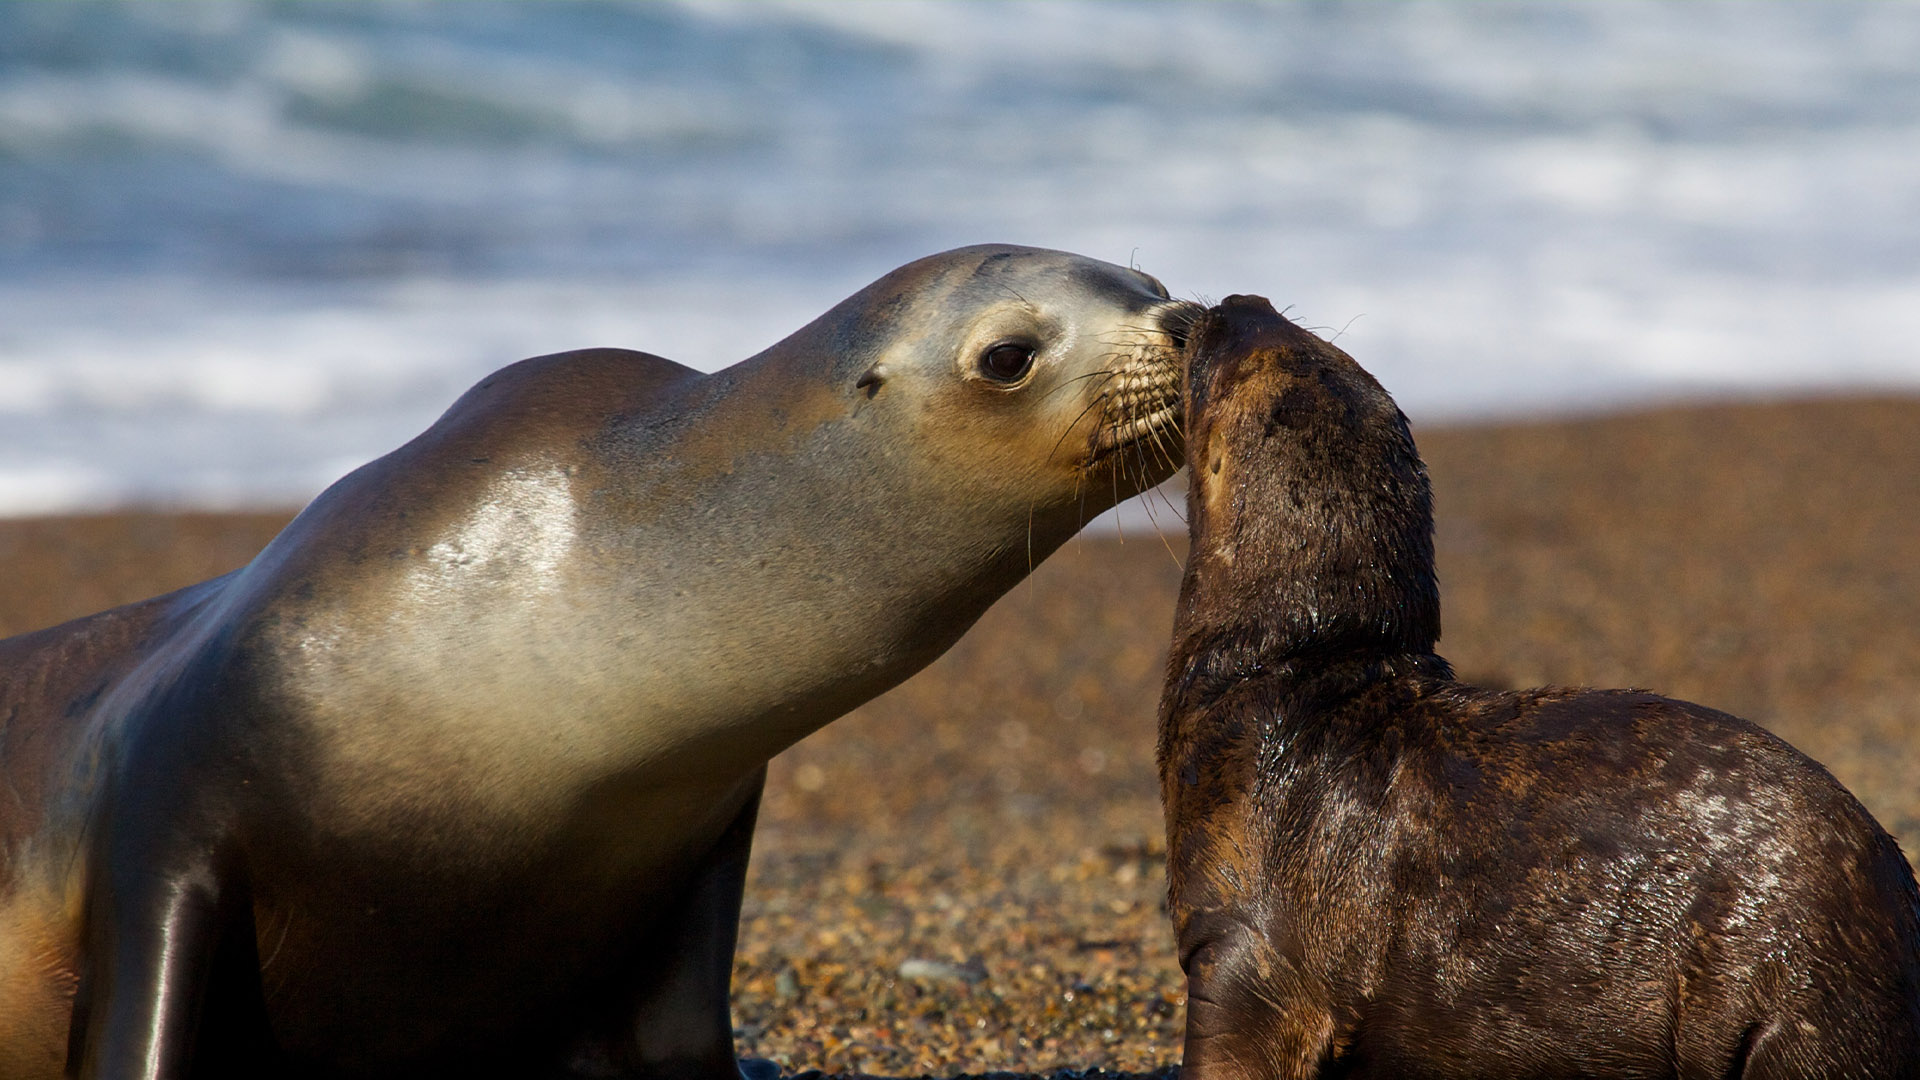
1180 321
1243 312
1245 332
1138 403
1234 327
1246 358
1230 340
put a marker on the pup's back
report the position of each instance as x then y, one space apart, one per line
1456 882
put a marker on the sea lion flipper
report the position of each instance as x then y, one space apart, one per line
679 1022
172 978
1246 1018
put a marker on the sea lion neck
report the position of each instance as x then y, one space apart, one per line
1311 515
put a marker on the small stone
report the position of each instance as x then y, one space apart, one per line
972 971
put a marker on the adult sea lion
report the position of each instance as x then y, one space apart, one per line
1376 871
458 777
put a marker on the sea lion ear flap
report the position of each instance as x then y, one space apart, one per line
870 382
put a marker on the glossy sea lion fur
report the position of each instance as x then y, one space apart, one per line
458 777
1377 871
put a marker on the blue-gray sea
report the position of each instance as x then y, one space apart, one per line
244 247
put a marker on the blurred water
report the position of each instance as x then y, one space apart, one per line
244 247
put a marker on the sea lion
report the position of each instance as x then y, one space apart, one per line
1377 871
458 777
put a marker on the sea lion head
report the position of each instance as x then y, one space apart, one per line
1022 377
1310 511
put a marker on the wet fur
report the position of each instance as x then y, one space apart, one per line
1376 870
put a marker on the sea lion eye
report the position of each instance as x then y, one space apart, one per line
1007 362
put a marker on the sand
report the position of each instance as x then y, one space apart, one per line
967 874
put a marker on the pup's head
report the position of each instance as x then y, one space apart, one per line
1310 512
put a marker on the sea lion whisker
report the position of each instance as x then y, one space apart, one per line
1119 527
286 925
1073 383
1134 339
1146 505
1096 403
1032 508
1017 295
1344 327
1166 452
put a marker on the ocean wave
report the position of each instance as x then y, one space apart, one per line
282 234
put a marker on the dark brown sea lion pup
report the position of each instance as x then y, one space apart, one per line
1376 871
458 777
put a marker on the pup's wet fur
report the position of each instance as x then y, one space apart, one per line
1376 870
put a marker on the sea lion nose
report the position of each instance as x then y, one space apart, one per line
1233 324
1178 319
1246 309
1247 302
